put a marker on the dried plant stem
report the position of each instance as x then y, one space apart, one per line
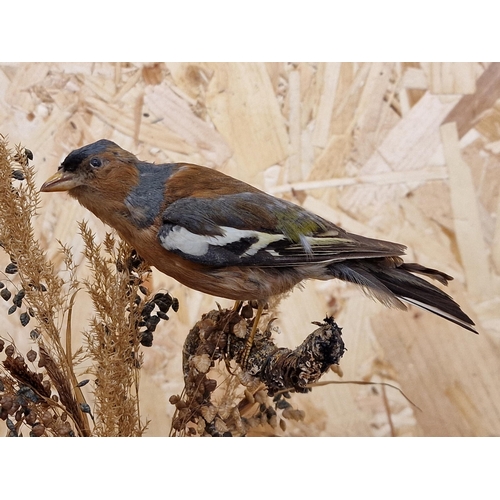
44 293
113 339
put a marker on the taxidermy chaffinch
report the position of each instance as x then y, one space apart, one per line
221 236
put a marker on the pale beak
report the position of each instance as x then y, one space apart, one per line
60 181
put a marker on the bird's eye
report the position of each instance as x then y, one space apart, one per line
95 162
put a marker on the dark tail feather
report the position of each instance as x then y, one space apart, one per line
388 284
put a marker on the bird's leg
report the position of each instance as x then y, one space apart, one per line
249 341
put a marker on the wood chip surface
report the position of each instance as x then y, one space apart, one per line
408 152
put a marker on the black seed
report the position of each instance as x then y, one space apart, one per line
5 293
26 392
18 298
85 407
11 268
148 309
83 382
164 304
28 154
18 175
24 318
12 309
40 287
175 304
147 338
10 425
162 315
283 405
34 334
151 323
1 284
143 290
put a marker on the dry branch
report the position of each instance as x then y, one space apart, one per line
221 335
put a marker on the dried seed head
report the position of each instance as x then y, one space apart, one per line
208 413
37 430
180 404
282 404
246 311
65 429
24 318
15 407
202 363
20 364
47 418
260 397
31 355
152 322
175 304
210 384
240 329
146 338
18 175
283 424
292 414
35 333
162 315
147 309
273 421
174 399
18 298
11 268
220 426
10 425
85 408
30 419
7 402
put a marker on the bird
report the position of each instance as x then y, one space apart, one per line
223 237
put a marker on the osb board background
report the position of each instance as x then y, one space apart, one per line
407 152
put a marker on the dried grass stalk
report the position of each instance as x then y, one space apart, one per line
113 340
49 401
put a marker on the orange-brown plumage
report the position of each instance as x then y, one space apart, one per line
221 236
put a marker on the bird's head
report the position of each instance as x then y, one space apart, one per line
99 168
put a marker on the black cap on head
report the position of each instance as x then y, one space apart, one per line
76 157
